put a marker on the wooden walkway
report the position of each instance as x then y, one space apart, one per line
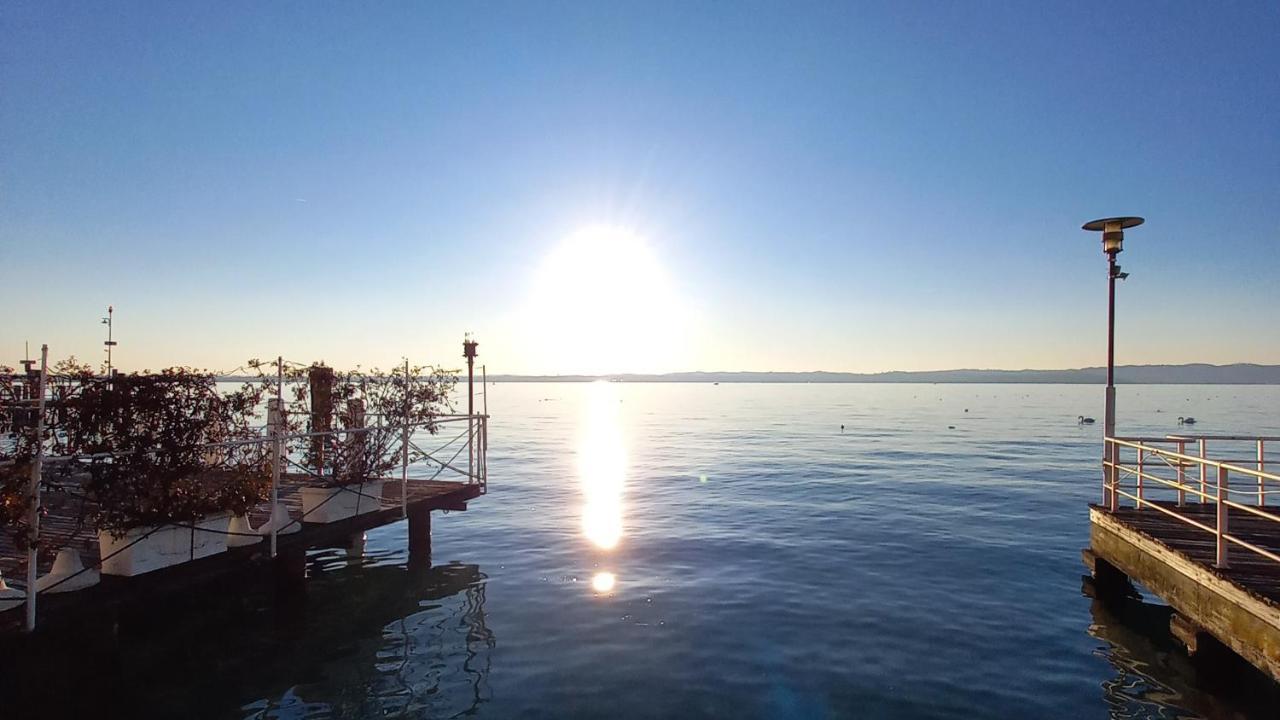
63 527
1251 571
1238 606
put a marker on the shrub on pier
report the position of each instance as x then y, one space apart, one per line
362 414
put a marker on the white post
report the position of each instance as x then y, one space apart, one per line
1203 471
1262 467
1182 474
275 420
404 448
1141 454
1106 473
37 466
1115 477
1222 518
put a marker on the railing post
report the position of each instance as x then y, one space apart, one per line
37 468
1182 474
1262 467
275 422
1221 534
1106 472
404 448
1115 477
1141 455
1204 484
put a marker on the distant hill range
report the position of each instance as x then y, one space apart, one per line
1194 374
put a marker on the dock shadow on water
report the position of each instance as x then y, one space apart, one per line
1153 673
367 638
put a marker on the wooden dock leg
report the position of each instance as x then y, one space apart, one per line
290 569
419 532
1109 582
1188 633
355 544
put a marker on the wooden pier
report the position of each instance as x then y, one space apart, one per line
1199 533
62 529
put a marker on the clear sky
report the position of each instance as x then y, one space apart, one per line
639 187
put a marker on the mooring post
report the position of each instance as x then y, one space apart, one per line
356 446
420 531
320 378
33 517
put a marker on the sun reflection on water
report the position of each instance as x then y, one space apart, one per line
602 467
603 582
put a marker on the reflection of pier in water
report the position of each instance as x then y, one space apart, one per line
1153 674
421 646
362 640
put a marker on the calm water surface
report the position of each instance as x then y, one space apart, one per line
668 550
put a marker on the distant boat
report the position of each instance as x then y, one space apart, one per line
1186 421
1086 421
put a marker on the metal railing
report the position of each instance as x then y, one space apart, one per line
1164 474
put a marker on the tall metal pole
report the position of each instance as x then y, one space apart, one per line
33 517
1109 416
110 343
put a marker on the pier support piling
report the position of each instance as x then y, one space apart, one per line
420 532
1110 583
290 569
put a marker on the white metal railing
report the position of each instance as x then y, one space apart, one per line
1163 474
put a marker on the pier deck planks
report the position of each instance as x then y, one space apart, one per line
1239 605
1248 569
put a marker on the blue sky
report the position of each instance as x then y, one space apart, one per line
842 186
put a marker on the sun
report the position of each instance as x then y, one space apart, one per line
603 303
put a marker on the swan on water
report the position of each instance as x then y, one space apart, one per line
1085 421
1186 421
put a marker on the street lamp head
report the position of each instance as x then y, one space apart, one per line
1112 230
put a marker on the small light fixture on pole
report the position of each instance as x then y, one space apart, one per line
1112 230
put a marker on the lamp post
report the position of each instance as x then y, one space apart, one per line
469 352
110 343
1112 230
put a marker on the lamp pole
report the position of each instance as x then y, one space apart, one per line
1112 230
110 343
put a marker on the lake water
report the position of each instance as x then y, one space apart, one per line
670 550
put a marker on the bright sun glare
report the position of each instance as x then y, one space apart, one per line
602 466
602 303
